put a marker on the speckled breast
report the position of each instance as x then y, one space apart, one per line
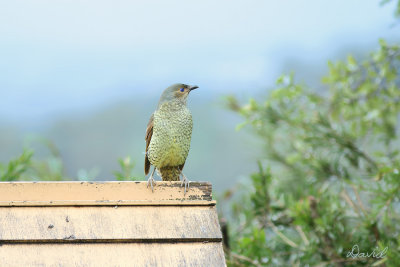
172 131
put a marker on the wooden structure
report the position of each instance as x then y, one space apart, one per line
108 224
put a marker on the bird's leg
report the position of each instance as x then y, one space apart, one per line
185 181
151 180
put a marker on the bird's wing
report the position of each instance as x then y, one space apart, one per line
149 134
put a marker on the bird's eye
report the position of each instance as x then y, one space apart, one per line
182 89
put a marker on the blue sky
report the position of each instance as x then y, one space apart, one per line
60 56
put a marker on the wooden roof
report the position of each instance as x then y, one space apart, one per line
108 224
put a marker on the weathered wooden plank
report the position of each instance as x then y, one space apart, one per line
130 254
106 223
102 193
108 203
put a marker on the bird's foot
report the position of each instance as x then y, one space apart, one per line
186 182
150 182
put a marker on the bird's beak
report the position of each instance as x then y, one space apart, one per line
193 87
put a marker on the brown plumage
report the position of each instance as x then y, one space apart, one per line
149 133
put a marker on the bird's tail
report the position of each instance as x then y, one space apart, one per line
170 173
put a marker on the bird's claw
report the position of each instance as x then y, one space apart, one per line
186 182
150 182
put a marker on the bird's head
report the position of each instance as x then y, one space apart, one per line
177 92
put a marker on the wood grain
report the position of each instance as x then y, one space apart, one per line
135 254
108 224
105 224
102 193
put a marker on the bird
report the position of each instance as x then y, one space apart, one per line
168 135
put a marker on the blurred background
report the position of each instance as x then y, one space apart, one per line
83 77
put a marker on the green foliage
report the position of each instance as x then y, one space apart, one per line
26 168
16 167
51 168
126 172
397 9
334 177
